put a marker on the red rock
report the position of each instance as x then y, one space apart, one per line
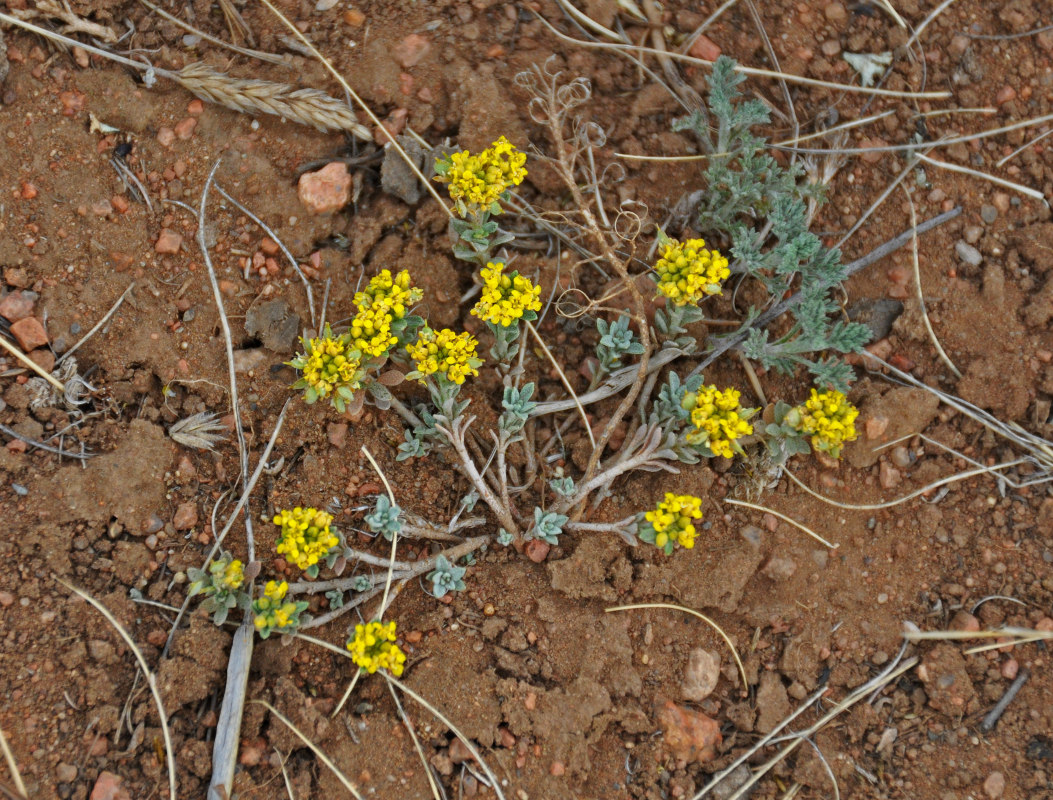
72 103
875 426
964 621
101 208
889 476
29 191
690 735
120 204
43 358
108 787
412 49
557 769
185 516
872 156
1005 94
168 242
185 128
994 786
166 137
195 107
15 306
29 333
705 48
328 189
505 738
354 17
337 434
393 126
537 550
1010 669
269 247
19 278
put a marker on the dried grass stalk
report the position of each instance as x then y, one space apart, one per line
305 106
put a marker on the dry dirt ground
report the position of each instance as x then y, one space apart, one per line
565 700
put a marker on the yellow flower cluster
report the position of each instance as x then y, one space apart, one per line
482 179
271 611
305 538
718 419
383 301
830 419
672 520
445 352
505 298
231 578
330 363
373 647
687 272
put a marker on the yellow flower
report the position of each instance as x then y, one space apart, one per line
445 352
687 272
305 538
395 294
830 419
505 298
718 419
672 521
371 331
272 612
232 577
373 647
329 365
480 180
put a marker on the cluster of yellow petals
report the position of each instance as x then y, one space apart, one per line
446 353
830 419
305 538
373 647
232 577
271 612
330 364
481 179
505 298
384 300
672 520
688 272
717 417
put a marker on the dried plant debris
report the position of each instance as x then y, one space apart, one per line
201 431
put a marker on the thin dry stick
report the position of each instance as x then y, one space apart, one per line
12 765
416 743
33 365
848 702
917 287
1023 147
496 785
232 709
347 694
757 73
705 619
394 535
784 518
151 679
566 381
927 21
98 325
960 476
233 516
354 96
257 54
314 748
281 245
1017 187
305 106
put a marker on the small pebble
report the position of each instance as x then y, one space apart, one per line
972 234
988 213
968 254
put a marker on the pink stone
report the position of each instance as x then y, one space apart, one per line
185 129
168 242
705 48
29 333
690 735
328 189
108 787
1005 94
185 516
15 306
537 550
166 137
412 49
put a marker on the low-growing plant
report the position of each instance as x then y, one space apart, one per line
754 215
